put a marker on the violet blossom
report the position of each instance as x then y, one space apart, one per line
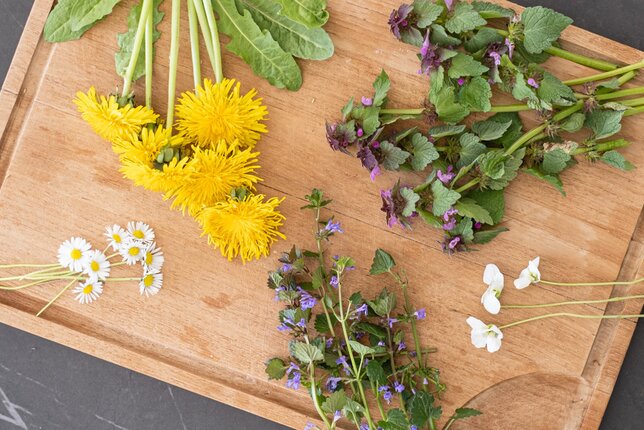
447 176
332 383
367 101
399 387
391 322
386 393
420 314
334 281
401 346
294 376
333 227
307 301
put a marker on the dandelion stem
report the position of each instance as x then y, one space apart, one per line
212 22
567 314
573 302
55 298
205 31
590 284
605 75
146 6
194 44
174 58
149 56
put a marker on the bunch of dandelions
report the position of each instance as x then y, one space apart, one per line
490 335
349 352
207 166
89 268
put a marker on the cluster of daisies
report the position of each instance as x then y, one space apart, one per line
490 335
87 269
203 159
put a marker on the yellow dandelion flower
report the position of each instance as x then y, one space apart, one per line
244 228
138 155
108 119
212 173
217 112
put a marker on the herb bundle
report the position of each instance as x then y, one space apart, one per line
470 167
350 352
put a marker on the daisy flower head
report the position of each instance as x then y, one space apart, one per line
132 251
97 266
108 118
72 253
116 235
242 227
140 231
88 291
218 111
211 174
153 258
151 283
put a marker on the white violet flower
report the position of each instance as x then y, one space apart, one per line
116 236
153 258
73 253
485 335
151 283
493 277
88 291
132 252
140 231
97 267
529 275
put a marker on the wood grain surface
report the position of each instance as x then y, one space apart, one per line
212 326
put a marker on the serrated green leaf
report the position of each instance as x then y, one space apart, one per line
257 48
447 108
423 410
541 27
383 262
311 13
552 179
438 36
510 168
464 18
485 236
395 421
426 12
461 413
482 39
71 18
372 329
381 86
446 130
522 91
613 84
615 159
430 218
444 198
514 132
376 373
307 353
335 402
352 408
275 368
491 10
393 156
464 65
360 348
469 208
492 201
490 130
321 323
126 40
573 123
411 198
465 229
471 148
294 37
555 161
554 92
423 152
604 123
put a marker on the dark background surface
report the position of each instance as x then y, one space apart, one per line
47 386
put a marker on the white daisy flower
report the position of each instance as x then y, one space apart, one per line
116 236
72 254
88 291
132 251
153 259
151 283
140 231
97 267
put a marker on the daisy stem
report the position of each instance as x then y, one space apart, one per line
136 47
149 56
37 272
205 30
590 284
567 314
605 75
56 298
174 59
573 302
124 279
11 266
212 22
194 44
31 284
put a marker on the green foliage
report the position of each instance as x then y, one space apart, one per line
485 236
573 123
426 12
490 129
615 159
393 156
381 86
438 36
275 368
335 402
444 198
491 10
447 108
555 161
465 65
423 410
376 373
383 262
482 39
316 199
492 201
446 130
70 19
464 18
552 91
411 198
423 152
541 27
552 179
476 94
311 13
395 421
604 123
307 353
471 149
469 208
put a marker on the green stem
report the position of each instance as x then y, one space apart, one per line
174 59
572 302
392 360
322 263
136 47
567 314
634 111
622 93
602 147
409 311
149 56
214 32
314 395
605 75
31 274
621 81
57 296
469 185
510 108
194 44
632 102
404 111
12 266
581 59
590 284
205 30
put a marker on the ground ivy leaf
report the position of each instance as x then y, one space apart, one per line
552 91
395 421
393 156
293 36
126 40
352 408
438 36
411 198
461 413
615 159
491 10
335 402
485 236
422 409
423 152
71 18
311 13
447 109
541 27
446 130
482 39
464 18
573 123
468 207
555 161
552 179
257 48
492 201
490 130
444 198
471 148
381 85
275 368
465 65
376 373
307 353
360 348
382 262
426 12
604 123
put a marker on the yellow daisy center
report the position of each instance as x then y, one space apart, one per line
134 251
88 289
138 234
116 237
148 280
76 254
148 258
94 266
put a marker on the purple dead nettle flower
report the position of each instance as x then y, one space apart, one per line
450 219
400 20
420 314
340 135
367 101
360 132
386 392
461 82
453 244
510 47
393 205
430 58
332 383
294 376
333 227
492 59
368 160
533 83
399 387
307 301
447 176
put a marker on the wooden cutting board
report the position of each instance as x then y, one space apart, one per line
212 326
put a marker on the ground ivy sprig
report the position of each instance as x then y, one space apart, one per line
351 352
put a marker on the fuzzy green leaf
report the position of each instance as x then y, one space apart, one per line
491 10
381 85
501 169
555 161
461 413
604 123
411 198
257 48
423 152
482 39
447 109
554 92
430 218
465 65
393 156
395 421
360 348
426 12
490 130
552 179
444 198
376 373
335 402
438 36
383 262
615 159
485 236
275 368
513 132
469 207
492 201
464 18
446 130
126 40
71 18
307 353
471 148
423 410
541 27
311 13
294 37
573 123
